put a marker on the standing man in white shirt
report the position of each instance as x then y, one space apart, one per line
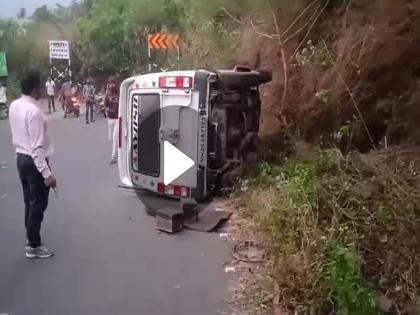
50 86
31 139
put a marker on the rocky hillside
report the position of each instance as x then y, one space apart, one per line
352 72
339 219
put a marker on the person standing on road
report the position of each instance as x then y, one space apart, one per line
66 91
89 96
50 86
111 104
31 139
3 96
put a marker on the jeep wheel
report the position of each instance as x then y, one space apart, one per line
232 80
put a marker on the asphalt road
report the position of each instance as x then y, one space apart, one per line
109 258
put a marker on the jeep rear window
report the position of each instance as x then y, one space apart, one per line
145 133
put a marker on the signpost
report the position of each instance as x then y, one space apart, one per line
162 41
60 50
3 65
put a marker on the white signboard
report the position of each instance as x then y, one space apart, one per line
59 49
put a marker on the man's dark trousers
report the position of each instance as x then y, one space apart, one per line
51 101
35 194
89 109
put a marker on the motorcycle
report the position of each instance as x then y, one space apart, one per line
99 105
4 111
72 106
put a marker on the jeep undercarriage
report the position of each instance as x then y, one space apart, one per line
234 122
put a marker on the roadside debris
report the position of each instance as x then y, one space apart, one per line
230 269
384 303
224 237
248 251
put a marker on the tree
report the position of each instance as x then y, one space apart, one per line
43 14
25 41
112 34
22 14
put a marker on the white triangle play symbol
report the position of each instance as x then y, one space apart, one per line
175 163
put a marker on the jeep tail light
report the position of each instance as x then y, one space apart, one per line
185 192
178 82
174 190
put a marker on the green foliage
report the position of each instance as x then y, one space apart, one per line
175 12
100 39
286 194
112 35
343 276
300 176
43 14
13 87
26 41
266 174
311 265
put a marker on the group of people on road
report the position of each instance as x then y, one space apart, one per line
34 148
68 90
88 92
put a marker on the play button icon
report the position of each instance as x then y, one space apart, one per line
175 163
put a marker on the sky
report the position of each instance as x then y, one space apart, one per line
10 8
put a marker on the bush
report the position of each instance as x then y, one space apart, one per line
340 229
343 276
13 87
